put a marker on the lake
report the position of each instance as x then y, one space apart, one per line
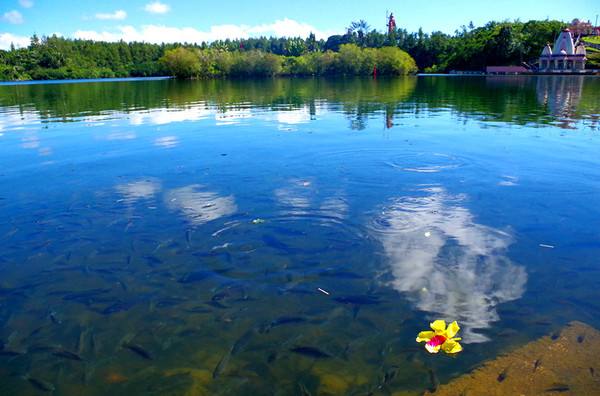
290 236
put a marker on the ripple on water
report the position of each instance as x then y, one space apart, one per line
446 263
368 167
426 162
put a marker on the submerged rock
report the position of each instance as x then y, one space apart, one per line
565 363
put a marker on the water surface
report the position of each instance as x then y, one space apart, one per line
164 237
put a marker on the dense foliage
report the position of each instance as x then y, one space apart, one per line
350 60
354 53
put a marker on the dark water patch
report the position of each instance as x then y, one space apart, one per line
311 352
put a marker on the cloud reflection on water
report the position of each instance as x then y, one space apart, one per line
200 206
163 116
300 197
446 264
139 190
166 142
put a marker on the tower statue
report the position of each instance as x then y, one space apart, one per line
391 24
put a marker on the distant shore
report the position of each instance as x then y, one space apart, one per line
360 51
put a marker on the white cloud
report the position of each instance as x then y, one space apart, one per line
118 15
13 17
164 116
198 205
284 28
26 3
157 7
166 34
447 264
7 38
139 190
166 142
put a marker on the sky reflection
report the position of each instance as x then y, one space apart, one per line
299 197
139 190
167 116
166 142
446 263
200 206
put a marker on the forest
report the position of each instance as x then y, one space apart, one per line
356 52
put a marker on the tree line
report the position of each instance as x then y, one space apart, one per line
349 60
356 52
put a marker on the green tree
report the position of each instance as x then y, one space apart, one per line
182 62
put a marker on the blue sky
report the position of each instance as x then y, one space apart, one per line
179 20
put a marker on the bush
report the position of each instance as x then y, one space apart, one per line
394 61
182 62
351 60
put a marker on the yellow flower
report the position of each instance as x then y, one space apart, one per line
441 337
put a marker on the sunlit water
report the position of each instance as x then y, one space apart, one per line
289 236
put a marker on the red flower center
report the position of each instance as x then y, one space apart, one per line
436 341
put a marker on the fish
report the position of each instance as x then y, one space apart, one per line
153 260
119 306
304 390
288 231
287 320
63 353
276 243
170 302
272 357
93 344
341 274
389 375
36 348
580 338
138 350
220 296
241 343
81 339
40 384
85 296
310 352
558 388
537 364
217 304
358 300
434 381
198 276
199 310
502 376
295 290
11 352
284 320
54 317
220 367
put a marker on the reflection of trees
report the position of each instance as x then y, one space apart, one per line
356 97
508 99
67 101
445 263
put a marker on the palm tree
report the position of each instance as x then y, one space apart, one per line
361 28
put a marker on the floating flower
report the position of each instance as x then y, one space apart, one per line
441 337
